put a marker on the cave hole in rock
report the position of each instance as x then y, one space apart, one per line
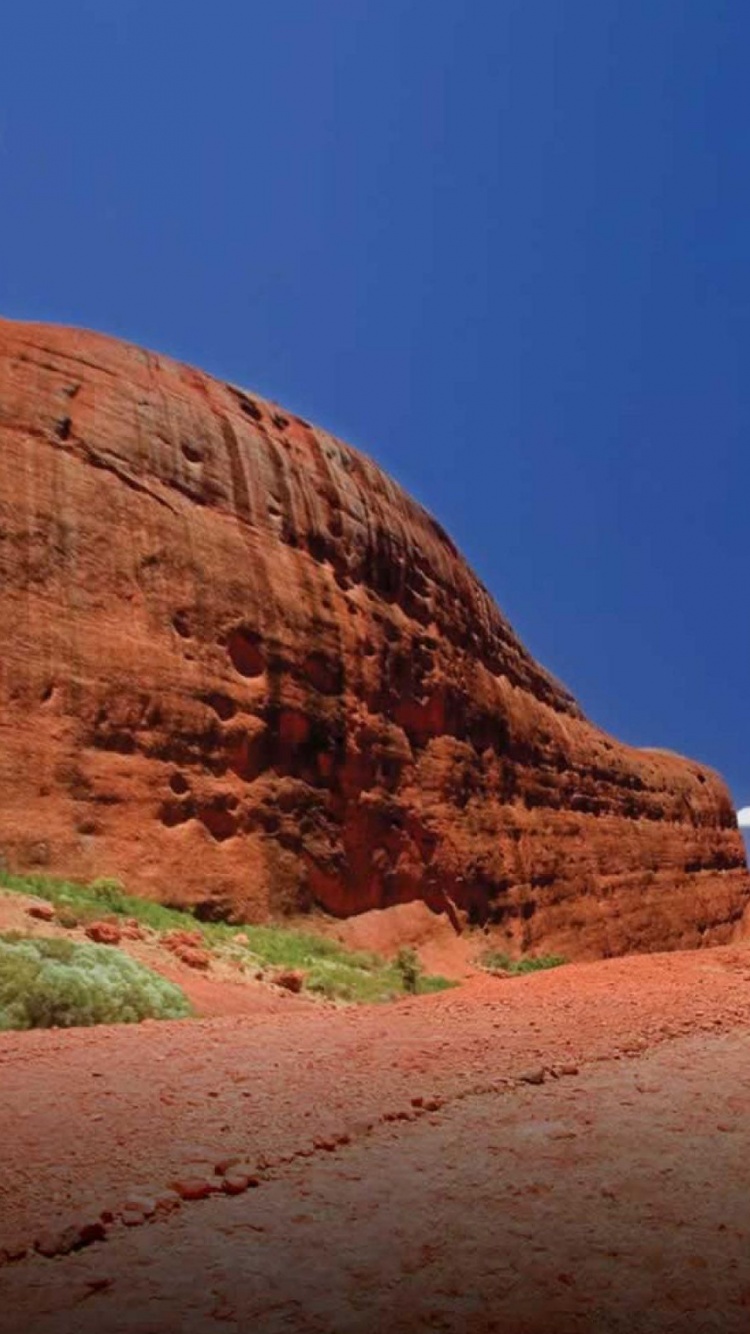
153 715
213 910
246 755
192 452
224 707
181 624
173 813
336 524
320 546
220 822
324 673
245 652
179 784
247 404
89 827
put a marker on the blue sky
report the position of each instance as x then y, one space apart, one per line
502 245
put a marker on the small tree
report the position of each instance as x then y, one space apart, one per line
410 969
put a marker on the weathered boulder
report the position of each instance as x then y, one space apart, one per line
104 933
243 671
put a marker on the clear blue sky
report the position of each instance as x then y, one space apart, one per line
502 245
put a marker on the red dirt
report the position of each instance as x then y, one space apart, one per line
410 1177
243 669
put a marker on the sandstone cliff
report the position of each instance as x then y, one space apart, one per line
242 670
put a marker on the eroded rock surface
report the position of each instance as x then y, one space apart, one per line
244 671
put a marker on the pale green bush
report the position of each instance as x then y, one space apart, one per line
51 983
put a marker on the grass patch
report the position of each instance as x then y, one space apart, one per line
495 961
100 898
329 969
346 975
54 983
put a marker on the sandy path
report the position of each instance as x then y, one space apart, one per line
608 1203
599 1196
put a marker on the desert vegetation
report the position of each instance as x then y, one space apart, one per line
325 967
58 983
495 961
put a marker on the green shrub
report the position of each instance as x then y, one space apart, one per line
409 969
111 894
497 962
52 983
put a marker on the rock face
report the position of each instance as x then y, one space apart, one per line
245 672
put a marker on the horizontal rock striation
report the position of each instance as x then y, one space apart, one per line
245 672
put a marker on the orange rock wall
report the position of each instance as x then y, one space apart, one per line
242 670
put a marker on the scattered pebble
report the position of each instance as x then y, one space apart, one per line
194 1188
194 958
98 1284
104 933
71 1236
143 1204
291 979
234 1183
224 1164
44 912
12 1252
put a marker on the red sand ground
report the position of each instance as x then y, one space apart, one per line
410 1179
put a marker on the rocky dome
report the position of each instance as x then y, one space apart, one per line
243 671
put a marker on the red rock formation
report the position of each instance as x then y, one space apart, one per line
244 671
